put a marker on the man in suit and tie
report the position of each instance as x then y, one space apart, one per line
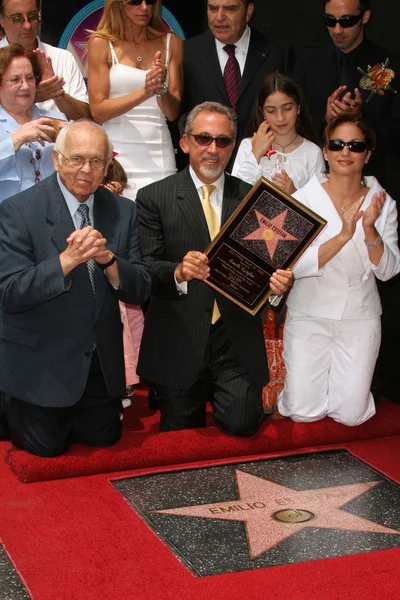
197 345
228 62
69 251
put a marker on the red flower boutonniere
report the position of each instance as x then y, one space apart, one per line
377 79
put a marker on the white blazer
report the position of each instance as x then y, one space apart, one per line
345 288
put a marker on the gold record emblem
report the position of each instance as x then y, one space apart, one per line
293 515
268 235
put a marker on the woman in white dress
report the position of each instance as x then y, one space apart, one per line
280 146
332 332
135 84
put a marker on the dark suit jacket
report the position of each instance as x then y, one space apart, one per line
204 79
177 326
317 73
49 324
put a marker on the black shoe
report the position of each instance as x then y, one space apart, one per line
153 400
4 431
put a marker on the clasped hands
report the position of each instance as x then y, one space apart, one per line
156 77
84 244
336 106
195 266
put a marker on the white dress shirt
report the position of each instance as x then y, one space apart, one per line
73 205
242 47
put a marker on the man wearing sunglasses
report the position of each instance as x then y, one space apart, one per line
62 87
331 82
197 345
228 62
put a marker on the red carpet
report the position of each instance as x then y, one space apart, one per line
78 539
143 446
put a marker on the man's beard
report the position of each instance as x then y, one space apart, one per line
209 171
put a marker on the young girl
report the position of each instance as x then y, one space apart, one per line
131 316
282 150
281 147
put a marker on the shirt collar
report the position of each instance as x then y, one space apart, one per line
219 183
72 203
10 124
350 57
242 45
4 42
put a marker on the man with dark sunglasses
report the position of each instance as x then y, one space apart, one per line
333 84
62 87
197 345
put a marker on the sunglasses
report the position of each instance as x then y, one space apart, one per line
203 139
353 146
344 22
139 2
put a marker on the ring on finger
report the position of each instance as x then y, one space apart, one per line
154 80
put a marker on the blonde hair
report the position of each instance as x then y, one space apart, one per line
112 27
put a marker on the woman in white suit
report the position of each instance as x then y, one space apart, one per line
332 332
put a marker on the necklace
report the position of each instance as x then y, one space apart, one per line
36 156
286 145
139 57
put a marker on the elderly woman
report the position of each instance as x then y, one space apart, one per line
332 332
135 84
27 133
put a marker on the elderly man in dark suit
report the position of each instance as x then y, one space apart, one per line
228 62
197 345
69 251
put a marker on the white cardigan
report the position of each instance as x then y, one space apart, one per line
345 288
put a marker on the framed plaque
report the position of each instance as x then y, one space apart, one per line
269 230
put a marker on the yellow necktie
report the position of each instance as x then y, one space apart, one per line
213 227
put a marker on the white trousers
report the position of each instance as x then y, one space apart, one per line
329 368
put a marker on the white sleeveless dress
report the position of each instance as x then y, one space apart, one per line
140 136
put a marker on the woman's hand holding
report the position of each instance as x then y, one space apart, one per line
39 130
373 211
283 180
350 217
262 140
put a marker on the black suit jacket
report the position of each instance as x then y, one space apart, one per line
49 324
204 79
177 326
316 71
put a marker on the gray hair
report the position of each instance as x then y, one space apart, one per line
211 107
59 145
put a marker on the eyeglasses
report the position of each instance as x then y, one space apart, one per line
353 146
19 19
17 81
344 22
203 139
139 2
77 162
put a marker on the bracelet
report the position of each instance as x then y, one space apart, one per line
112 260
164 90
374 243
